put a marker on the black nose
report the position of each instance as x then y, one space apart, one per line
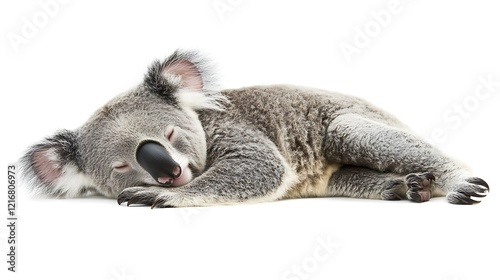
154 158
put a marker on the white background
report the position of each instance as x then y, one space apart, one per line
423 62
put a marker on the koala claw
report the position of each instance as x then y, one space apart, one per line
144 195
469 192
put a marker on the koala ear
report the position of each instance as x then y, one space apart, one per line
184 66
51 167
185 78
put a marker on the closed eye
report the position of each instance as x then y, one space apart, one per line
121 166
170 133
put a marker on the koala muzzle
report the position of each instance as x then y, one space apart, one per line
154 158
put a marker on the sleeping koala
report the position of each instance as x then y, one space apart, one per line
178 140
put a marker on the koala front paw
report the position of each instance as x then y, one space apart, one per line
156 197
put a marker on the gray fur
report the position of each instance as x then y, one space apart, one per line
252 144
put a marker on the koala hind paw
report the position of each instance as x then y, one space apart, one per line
420 186
468 192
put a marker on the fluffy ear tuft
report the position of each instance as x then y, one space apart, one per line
185 78
52 167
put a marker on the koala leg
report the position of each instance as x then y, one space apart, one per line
356 140
362 182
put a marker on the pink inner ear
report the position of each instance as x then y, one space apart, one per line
191 77
45 169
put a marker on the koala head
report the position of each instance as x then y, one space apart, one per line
150 136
